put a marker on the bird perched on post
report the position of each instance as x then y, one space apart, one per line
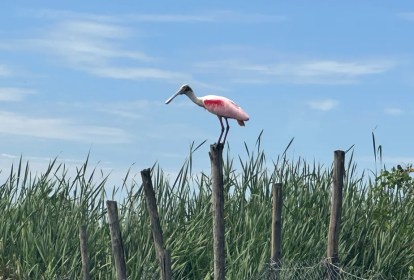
221 106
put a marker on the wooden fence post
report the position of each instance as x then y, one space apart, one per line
163 256
166 271
217 199
332 265
116 240
83 238
276 254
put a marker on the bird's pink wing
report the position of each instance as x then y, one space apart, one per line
224 107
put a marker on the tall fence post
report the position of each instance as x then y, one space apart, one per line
217 199
116 240
332 255
83 238
163 256
276 253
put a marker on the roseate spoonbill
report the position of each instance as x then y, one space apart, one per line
218 105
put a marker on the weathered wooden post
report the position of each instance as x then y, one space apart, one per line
217 200
116 240
332 262
276 254
166 271
83 238
163 256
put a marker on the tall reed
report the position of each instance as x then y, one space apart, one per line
41 215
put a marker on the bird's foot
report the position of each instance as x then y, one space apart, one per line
219 145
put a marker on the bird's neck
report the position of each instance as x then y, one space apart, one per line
195 99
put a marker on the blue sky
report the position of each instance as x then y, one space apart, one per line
80 76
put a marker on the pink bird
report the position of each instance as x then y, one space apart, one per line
218 105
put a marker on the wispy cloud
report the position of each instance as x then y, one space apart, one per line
204 17
98 43
44 159
14 94
406 16
137 73
88 43
390 161
303 72
53 14
393 111
8 156
97 48
212 16
63 129
137 109
323 105
92 46
398 160
39 164
337 68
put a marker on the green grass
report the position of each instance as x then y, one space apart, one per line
41 215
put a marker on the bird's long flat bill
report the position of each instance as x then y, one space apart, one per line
172 97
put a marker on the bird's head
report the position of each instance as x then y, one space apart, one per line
184 89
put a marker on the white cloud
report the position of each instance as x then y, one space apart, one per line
407 16
39 164
97 48
213 16
65 14
398 160
303 72
388 160
136 73
44 159
9 156
121 113
130 110
336 68
88 43
394 111
323 105
14 94
63 129
206 17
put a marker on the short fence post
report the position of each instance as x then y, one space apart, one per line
217 199
116 240
83 238
332 262
276 254
163 256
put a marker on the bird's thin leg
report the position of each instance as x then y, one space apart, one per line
227 131
222 129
